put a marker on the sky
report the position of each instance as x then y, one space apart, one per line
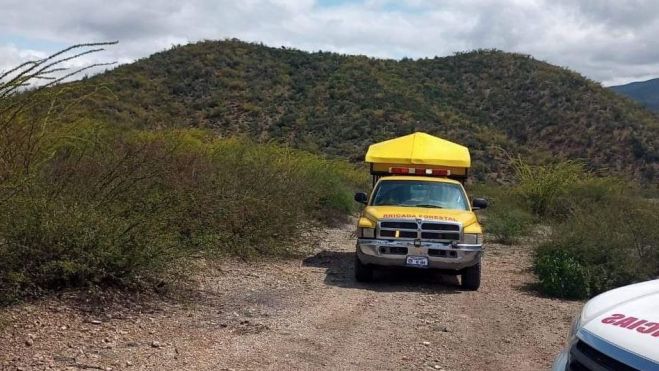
610 41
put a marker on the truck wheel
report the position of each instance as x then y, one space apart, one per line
363 272
471 278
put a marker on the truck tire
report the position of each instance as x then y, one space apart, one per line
471 278
363 272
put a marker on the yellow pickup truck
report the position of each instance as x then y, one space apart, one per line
418 214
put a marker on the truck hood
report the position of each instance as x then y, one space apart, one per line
376 213
627 317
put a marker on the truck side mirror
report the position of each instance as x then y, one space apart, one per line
361 197
479 203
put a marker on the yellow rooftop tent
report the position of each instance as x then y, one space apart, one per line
419 149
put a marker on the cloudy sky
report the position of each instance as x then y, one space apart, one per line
611 41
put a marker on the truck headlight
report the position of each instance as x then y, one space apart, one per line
574 327
472 238
366 232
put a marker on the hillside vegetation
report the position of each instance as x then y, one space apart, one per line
122 208
121 178
596 233
338 105
88 203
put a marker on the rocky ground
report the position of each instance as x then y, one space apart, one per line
299 314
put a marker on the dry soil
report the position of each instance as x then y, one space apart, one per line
300 314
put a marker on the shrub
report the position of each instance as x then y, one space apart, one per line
51 244
602 230
545 189
507 223
615 243
119 207
561 275
556 191
506 219
87 204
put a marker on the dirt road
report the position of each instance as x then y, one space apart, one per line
307 314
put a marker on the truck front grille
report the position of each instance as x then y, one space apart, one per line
432 231
583 357
440 227
452 236
399 225
401 234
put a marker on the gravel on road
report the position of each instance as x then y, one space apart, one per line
300 314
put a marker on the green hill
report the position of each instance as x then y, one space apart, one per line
338 104
644 92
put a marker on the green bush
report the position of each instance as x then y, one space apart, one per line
506 219
561 275
603 232
507 223
51 244
85 203
545 189
108 206
557 190
614 243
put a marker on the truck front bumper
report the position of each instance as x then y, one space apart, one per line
560 362
440 255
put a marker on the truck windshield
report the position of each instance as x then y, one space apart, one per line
418 193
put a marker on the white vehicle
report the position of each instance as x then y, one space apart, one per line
616 330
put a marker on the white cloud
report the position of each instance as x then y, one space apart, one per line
607 40
13 56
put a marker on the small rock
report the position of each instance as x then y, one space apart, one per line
155 344
129 363
63 328
426 343
95 322
29 341
437 367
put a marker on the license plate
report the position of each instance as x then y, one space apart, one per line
417 261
